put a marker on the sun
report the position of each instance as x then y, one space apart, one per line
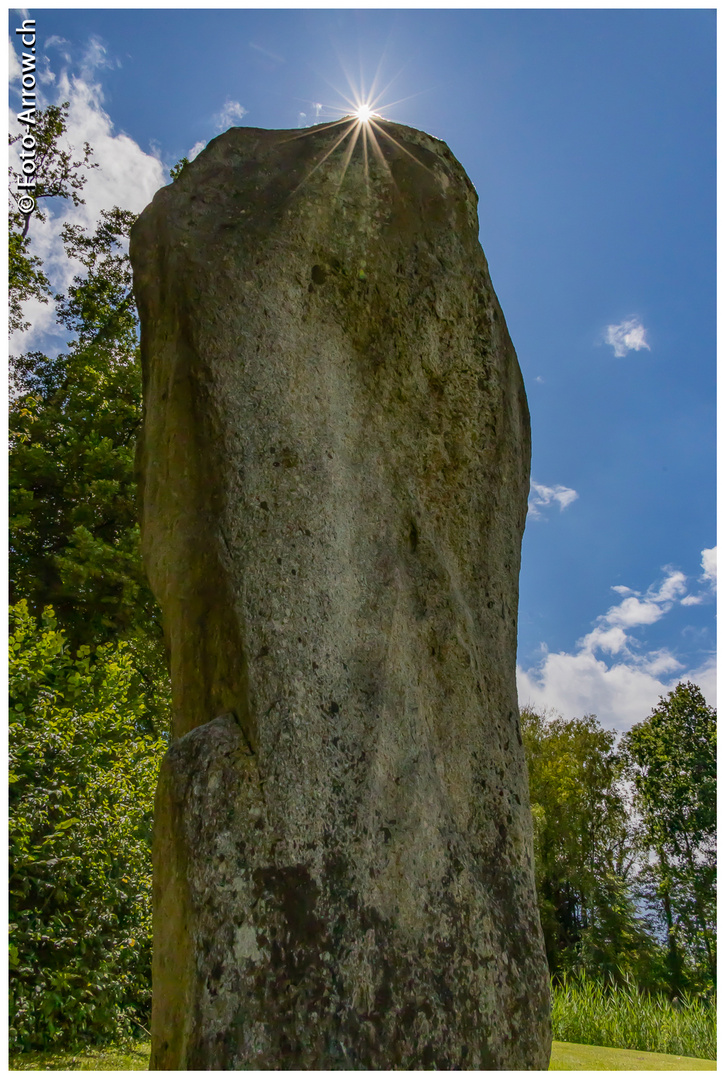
364 113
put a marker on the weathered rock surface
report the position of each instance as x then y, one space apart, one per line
334 470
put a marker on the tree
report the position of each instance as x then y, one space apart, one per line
673 753
89 684
73 422
583 849
82 775
59 174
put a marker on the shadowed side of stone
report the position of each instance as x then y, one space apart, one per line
334 469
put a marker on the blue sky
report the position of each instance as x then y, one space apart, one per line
590 138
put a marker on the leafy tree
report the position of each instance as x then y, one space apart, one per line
82 775
673 753
89 684
583 849
59 174
73 423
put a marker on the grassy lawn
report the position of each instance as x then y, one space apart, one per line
104 1058
565 1057
570 1056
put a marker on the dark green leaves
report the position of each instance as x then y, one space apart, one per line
82 775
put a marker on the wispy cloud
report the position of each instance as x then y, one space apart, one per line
541 496
95 56
641 609
610 673
196 149
266 52
627 336
231 110
708 562
14 71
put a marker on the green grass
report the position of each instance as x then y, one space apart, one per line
594 1027
587 1013
565 1057
96 1059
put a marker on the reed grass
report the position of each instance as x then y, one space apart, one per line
588 1012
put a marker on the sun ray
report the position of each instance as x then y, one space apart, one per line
365 117
325 156
365 161
318 128
380 155
401 147
399 101
348 156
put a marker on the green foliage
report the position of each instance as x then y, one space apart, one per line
175 171
87 700
73 422
99 306
586 1011
583 849
25 279
59 174
673 755
82 775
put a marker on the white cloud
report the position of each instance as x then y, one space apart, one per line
636 611
622 689
633 612
626 336
611 640
673 586
14 71
196 149
708 562
578 684
541 496
61 45
127 177
95 56
705 677
231 110
660 662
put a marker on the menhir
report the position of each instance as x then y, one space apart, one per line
334 468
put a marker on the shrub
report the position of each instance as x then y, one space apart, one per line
83 770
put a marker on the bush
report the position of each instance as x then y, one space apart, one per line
585 1011
83 770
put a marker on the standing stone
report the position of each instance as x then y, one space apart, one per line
334 469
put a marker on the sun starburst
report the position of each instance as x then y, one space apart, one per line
364 113
362 126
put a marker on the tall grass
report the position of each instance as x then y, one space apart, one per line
585 1011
